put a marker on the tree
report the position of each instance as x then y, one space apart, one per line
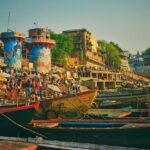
112 54
63 48
146 52
116 46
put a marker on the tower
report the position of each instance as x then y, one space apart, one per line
13 48
40 49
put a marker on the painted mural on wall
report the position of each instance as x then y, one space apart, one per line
13 53
41 57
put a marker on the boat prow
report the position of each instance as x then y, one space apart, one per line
70 106
14 118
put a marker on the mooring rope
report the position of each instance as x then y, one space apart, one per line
21 126
81 112
81 101
85 104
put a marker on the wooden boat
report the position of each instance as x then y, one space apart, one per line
117 120
135 101
112 104
34 144
123 92
104 113
130 135
16 143
14 118
73 106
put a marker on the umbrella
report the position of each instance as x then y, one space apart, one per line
25 68
56 76
3 79
84 88
2 64
42 70
53 87
4 74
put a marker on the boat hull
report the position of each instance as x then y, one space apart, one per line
73 106
12 120
137 101
137 137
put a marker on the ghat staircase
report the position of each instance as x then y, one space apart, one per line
135 77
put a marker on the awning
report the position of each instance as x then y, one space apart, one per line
53 87
56 76
3 79
5 75
2 64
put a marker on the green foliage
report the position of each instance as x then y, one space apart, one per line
112 54
63 48
116 46
147 51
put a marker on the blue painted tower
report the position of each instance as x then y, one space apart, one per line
13 48
40 49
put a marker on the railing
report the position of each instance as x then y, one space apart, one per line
93 57
43 40
135 76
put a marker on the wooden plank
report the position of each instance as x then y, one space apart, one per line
48 125
40 143
16 145
118 110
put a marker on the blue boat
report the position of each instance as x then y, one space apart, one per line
91 124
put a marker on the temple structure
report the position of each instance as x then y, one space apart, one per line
12 48
40 49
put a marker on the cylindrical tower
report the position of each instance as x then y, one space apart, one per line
13 48
40 49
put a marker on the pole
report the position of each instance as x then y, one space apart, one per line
8 22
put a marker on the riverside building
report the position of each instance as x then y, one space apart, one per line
86 49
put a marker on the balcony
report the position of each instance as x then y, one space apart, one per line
43 40
94 57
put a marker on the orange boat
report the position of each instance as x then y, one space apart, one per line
74 106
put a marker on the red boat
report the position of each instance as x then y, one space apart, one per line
13 119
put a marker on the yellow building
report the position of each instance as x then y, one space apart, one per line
124 61
124 65
86 48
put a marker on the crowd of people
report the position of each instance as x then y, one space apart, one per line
31 85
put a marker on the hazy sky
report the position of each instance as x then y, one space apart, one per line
126 22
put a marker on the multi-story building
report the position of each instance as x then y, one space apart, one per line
86 48
101 52
136 61
141 64
124 61
146 58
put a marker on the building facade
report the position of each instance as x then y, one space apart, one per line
40 49
13 48
124 61
146 59
86 48
141 64
136 61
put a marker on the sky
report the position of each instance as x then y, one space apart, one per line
125 22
